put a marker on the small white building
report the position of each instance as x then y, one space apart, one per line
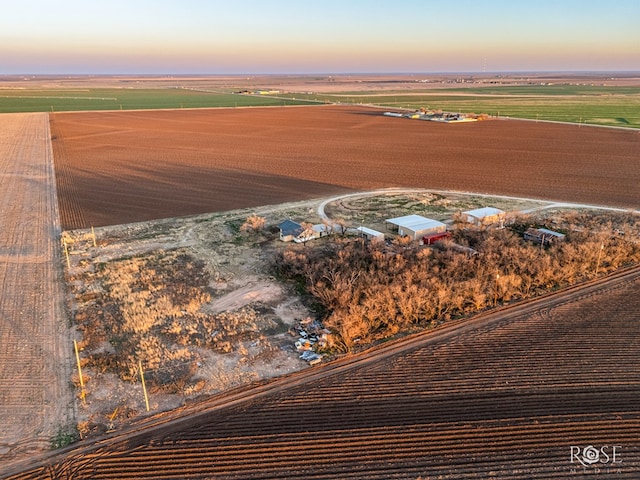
291 231
370 235
484 216
416 226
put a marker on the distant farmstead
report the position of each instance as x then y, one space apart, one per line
416 226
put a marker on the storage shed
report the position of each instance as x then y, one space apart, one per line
484 216
416 226
436 237
543 236
370 235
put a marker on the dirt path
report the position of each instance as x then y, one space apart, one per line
35 401
321 208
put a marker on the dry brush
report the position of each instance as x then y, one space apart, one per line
370 291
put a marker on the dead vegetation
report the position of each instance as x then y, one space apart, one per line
182 317
371 291
192 299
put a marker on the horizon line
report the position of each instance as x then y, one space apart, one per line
329 73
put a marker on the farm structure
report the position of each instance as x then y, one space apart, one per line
123 167
543 236
416 226
443 117
291 231
433 238
484 216
370 235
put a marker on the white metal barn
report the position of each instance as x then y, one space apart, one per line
483 216
416 226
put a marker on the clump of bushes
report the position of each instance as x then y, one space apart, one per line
375 290
129 321
154 308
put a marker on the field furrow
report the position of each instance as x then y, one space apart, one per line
121 167
388 414
34 394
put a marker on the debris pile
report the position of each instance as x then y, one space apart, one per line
312 336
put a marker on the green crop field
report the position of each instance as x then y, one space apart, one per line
598 105
58 100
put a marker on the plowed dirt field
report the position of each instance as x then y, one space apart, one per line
121 167
509 394
35 398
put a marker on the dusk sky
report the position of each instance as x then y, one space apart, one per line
328 36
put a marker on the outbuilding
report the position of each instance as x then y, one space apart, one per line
416 226
543 236
436 237
484 216
370 235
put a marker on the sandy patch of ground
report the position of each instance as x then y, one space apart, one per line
257 292
35 399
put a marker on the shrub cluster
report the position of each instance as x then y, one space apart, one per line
370 291
128 321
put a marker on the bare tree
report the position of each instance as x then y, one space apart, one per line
253 224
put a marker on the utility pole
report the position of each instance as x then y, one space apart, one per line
82 395
144 387
598 259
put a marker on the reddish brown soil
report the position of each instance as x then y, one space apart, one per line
503 395
121 167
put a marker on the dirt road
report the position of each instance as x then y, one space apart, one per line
35 399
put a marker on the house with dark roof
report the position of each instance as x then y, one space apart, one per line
289 230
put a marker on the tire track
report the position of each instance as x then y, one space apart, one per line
34 370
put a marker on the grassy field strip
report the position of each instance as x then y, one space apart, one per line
611 106
597 105
60 98
131 99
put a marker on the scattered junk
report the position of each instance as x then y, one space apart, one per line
543 236
312 335
312 357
